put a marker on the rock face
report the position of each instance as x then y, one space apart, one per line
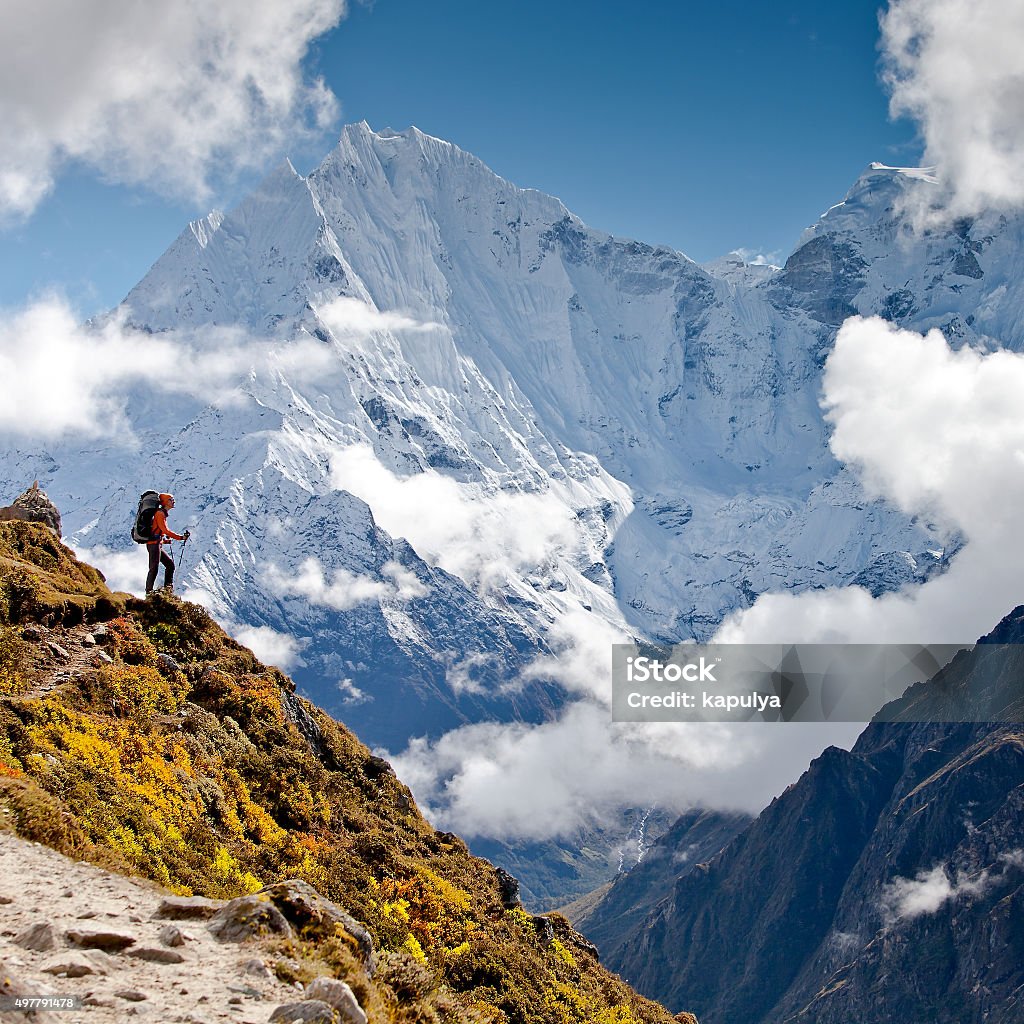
247 917
634 895
33 506
887 884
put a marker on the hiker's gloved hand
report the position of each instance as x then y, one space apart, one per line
187 534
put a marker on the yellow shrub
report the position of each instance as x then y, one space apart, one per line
620 1014
228 871
139 691
12 661
562 953
131 643
412 946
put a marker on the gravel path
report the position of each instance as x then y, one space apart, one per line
44 896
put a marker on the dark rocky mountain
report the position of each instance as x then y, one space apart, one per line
887 884
625 903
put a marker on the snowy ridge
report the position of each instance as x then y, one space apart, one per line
529 434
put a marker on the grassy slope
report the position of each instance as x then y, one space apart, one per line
209 775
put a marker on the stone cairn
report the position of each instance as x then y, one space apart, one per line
33 507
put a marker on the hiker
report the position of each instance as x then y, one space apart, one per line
159 534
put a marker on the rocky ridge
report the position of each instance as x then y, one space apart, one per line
136 736
33 506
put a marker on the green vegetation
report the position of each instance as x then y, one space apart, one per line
186 761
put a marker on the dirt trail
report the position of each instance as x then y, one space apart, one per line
63 653
40 887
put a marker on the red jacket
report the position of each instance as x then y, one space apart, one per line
161 531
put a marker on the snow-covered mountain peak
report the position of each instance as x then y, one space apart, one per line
878 193
889 250
559 423
739 271
417 166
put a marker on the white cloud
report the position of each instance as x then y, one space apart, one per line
1012 859
124 570
345 590
939 432
342 592
535 781
269 645
483 538
346 316
351 694
59 377
903 899
760 259
519 781
408 586
167 94
581 646
459 674
954 66
907 898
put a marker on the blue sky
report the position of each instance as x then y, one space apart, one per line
706 127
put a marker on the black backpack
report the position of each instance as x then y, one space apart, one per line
142 531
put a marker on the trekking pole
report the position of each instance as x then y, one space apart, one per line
181 556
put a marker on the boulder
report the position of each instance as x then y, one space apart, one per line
39 937
57 651
157 955
187 908
167 665
545 929
311 1011
508 887
337 994
131 995
258 968
171 935
248 917
73 963
315 916
100 939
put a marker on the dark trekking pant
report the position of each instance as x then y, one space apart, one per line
157 556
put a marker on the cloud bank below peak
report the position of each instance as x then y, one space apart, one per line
938 432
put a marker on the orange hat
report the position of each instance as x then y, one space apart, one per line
167 500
